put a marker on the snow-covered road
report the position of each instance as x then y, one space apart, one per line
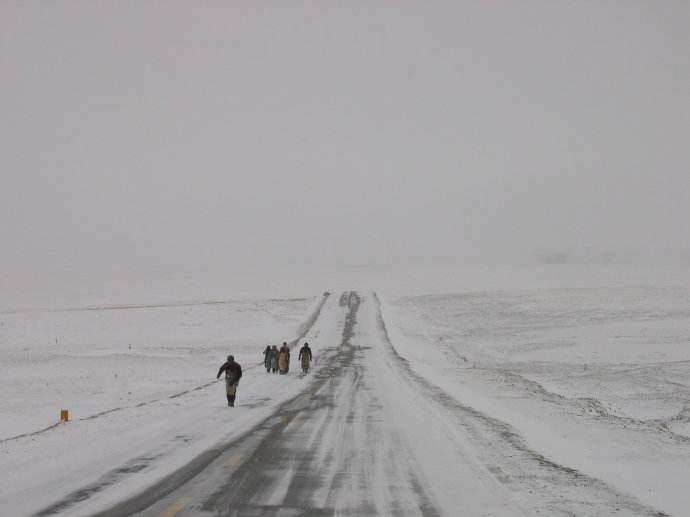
367 432
361 440
369 436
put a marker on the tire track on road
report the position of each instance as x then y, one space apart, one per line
252 490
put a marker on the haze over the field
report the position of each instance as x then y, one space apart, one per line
167 134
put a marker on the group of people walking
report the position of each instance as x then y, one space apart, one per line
278 360
275 360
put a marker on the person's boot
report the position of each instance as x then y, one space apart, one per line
232 401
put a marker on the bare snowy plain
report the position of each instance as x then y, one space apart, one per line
514 400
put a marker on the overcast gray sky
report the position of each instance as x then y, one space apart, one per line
176 134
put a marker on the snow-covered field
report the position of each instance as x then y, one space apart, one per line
595 379
147 408
94 359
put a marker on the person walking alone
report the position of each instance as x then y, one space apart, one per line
233 374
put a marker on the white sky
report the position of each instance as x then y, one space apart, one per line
168 134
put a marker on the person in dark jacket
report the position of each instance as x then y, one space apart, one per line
274 359
233 374
304 357
268 354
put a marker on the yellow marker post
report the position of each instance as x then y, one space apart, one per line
64 415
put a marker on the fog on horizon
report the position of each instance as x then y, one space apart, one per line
243 134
